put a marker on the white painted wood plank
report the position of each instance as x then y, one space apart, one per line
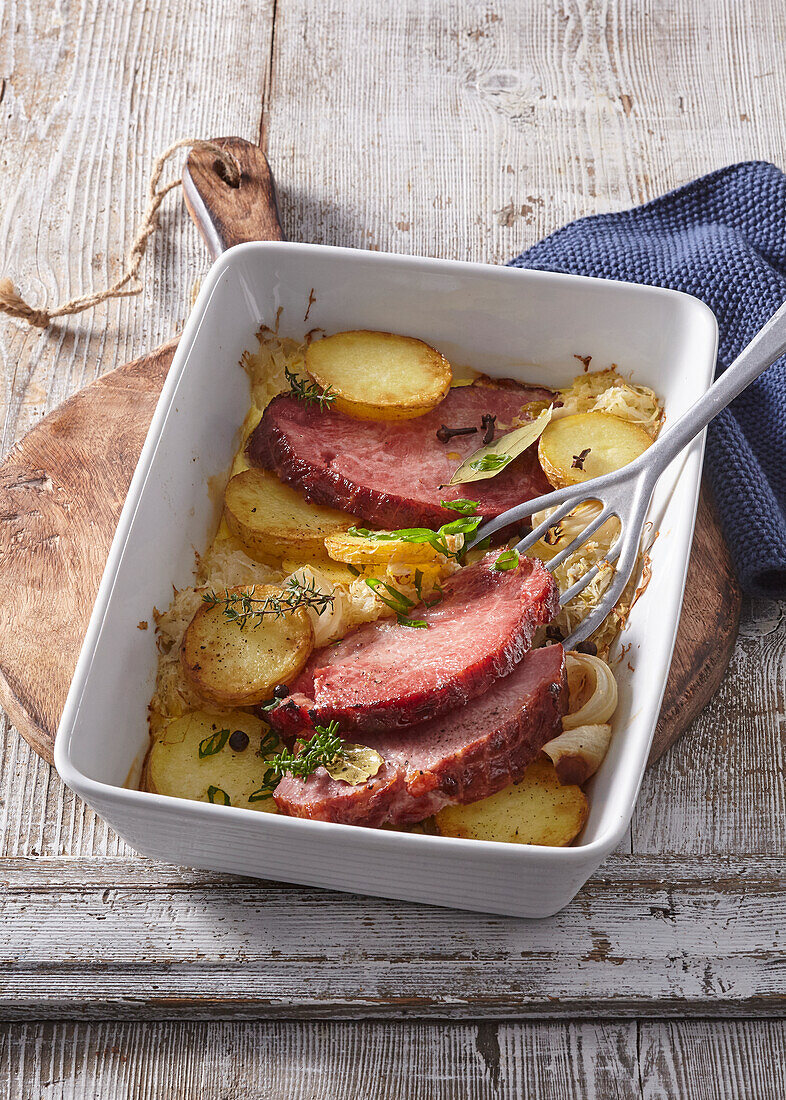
470 131
680 1060
303 1061
722 788
665 936
717 1060
91 94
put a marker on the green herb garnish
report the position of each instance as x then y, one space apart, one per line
508 559
437 539
240 607
396 601
461 504
491 462
324 750
269 704
309 392
213 744
218 796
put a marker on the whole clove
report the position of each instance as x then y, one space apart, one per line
487 423
444 434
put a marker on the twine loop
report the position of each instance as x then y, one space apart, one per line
11 301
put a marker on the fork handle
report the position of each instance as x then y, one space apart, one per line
766 346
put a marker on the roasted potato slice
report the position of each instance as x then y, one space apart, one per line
358 550
335 571
378 375
585 445
209 758
536 810
273 521
230 664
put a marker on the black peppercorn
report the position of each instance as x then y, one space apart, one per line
238 741
281 691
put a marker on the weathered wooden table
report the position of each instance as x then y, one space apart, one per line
454 129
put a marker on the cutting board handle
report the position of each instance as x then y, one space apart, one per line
225 214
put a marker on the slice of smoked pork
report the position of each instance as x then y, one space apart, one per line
462 756
386 676
395 473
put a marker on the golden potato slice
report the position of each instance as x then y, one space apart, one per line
335 571
358 550
233 664
378 375
272 521
537 810
585 445
194 757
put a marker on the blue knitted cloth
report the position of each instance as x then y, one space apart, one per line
721 238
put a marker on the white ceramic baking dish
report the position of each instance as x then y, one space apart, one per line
522 324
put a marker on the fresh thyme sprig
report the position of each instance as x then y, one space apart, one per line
240 607
322 749
309 392
438 539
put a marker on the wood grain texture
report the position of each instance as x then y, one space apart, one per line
91 94
62 487
665 936
707 632
305 1061
726 790
61 491
484 128
225 217
681 1060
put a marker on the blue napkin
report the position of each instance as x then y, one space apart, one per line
721 238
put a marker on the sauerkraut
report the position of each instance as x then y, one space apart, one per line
607 391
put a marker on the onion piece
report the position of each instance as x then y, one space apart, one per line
578 753
593 691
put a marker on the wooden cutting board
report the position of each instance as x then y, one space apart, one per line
62 488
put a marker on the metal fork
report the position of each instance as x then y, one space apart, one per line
626 493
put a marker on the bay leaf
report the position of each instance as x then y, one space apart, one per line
354 764
495 456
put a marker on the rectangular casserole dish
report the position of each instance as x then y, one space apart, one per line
506 322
